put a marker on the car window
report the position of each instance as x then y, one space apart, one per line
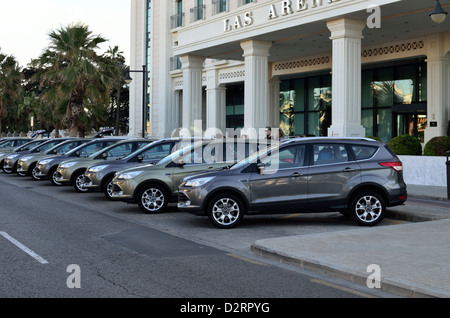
66 147
363 152
47 146
90 149
285 158
329 153
120 150
157 152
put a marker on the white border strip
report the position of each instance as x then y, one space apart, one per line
24 248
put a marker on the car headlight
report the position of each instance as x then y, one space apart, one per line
67 164
45 161
25 158
12 156
198 182
97 168
128 175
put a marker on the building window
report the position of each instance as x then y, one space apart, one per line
198 12
219 6
394 100
305 106
235 106
242 2
177 20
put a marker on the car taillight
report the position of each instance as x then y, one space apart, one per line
396 165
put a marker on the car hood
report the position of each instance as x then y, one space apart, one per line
148 167
209 173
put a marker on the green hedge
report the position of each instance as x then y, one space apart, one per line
406 145
437 146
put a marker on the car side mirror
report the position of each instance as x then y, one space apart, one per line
77 153
140 158
104 155
181 163
261 167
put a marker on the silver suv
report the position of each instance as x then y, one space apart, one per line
355 176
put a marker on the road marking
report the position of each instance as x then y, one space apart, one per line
23 248
242 258
349 290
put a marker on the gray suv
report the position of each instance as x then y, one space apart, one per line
355 176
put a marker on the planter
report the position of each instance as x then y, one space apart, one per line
424 170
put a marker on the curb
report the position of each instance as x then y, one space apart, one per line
388 285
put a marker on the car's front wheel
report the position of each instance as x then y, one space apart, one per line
78 182
34 172
54 177
153 199
225 210
108 188
368 208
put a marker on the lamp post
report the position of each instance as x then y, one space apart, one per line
438 15
128 80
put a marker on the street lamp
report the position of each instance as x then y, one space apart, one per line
128 81
438 15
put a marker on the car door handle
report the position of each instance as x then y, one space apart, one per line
296 174
348 169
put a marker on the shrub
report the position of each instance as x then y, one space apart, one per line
437 146
405 145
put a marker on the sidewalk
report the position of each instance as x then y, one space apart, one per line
414 258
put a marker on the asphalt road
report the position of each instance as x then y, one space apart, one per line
57 243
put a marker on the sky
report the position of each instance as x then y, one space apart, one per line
25 24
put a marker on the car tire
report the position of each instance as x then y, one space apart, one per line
7 171
153 199
78 181
368 208
33 173
52 177
225 217
108 188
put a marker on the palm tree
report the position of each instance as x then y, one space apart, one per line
75 78
116 57
10 85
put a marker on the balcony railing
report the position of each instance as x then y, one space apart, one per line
219 6
177 20
197 13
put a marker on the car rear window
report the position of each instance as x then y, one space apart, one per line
363 152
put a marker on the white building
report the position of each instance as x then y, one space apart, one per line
321 67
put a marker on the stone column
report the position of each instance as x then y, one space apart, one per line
438 81
346 35
274 102
256 91
192 90
215 103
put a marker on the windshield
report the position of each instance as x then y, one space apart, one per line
255 157
29 145
179 153
131 155
46 146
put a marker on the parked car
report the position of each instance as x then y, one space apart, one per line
26 164
24 147
71 168
152 187
100 175
14 142
359 177
46 168
10 164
